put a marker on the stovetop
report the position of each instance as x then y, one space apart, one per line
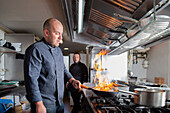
96 104
91 103
122 105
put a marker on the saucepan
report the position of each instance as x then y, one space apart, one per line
146 97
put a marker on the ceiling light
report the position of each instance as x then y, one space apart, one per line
80 15
66 48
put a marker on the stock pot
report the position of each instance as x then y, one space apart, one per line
165 88
148 97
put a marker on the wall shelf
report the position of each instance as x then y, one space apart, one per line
7 50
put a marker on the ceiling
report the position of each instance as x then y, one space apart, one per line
28 16
118 25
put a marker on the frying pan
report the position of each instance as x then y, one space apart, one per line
101 93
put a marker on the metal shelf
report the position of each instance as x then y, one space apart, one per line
7 50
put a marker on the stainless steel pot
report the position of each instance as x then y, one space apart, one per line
163 87
167 89
167 94
148 97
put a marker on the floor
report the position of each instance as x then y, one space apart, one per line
67 107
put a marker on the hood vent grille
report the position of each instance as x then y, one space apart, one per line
98 34
104 19
127 5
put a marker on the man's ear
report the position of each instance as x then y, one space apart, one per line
46 32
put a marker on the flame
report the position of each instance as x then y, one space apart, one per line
101 82
102 52
104 87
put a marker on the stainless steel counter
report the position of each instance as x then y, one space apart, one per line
20 91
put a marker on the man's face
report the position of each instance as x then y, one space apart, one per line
54 35
76 58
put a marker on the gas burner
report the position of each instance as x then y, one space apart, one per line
142 109
119 105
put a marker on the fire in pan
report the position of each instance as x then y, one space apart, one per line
109 93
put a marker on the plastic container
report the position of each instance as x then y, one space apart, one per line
5 105
10 83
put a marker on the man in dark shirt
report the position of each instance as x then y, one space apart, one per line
79 72
45 72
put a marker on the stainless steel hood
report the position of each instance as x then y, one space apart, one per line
119 25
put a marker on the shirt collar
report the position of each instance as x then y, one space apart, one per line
48 45
77 62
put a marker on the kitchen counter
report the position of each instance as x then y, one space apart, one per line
19 90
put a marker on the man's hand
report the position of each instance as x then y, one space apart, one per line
67 85
76 84
40 108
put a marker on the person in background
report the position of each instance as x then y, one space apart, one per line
79 72
45 71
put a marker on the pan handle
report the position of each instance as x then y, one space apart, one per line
83 86
128 92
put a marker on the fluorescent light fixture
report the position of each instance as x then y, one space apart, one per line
81 5
66 48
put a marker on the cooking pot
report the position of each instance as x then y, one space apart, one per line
167 89
148 97
163 87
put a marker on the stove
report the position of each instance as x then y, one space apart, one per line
95 104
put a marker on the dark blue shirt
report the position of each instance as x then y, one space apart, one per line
79 71
44 73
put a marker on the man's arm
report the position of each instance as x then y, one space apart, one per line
32 67
71 79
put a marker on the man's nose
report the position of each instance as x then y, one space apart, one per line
60 37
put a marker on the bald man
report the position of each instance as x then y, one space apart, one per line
45 71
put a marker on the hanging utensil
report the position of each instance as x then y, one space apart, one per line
126 18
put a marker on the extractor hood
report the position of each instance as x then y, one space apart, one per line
118 25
